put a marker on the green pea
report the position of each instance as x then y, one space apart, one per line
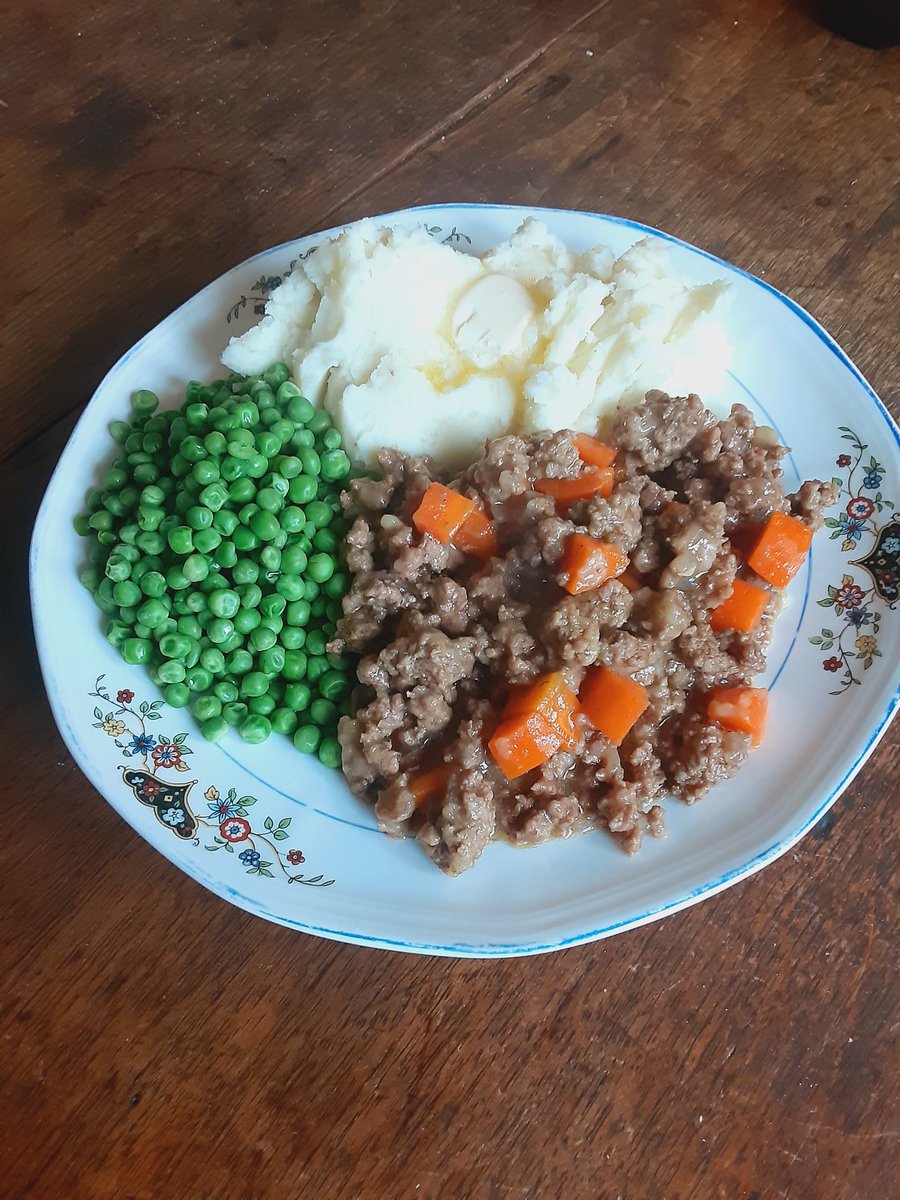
312 464
171 672
334 685
231 468
315 642
91 578
272 605
294 560
262 638
144 402
288 466
292 638
192 450
331 439
245 571
319 422
255 728
264 525
235 712
302 489
198 679
307 738
225 555
226 691
206 540
214 443
118 568
152 613
270 558
262 705
150 518
318 513
276 624
126 593
219 630
213 660
118 633
215 728
176 579
226 522
152 496
101 521
297 696
298 612
136 651
174 645
119 430
224 603
291 587
195 568
337 586
205 708
299 409
330 753
271 661
276 375
198 516
246 620
254 683
245 539
82 525
316 666
268 443
177 695
294 665
323 712
311 590
181 539
206 472
269 499
240 662
321 567
284 720
242 491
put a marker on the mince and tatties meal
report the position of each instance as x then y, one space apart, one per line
461 526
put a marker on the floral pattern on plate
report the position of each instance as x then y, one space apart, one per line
865 514
227 819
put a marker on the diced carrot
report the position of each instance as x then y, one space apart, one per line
612 702
587 563
477 536
552 698
594 452
780 549
521 743
591 482
431 783
742 709
742 610
442 512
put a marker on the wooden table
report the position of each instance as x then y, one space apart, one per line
158 1043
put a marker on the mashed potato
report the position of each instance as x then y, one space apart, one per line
412 344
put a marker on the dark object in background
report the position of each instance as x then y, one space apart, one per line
873 23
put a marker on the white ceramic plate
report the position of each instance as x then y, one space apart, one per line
282 836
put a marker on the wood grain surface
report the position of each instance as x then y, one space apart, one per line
158 1043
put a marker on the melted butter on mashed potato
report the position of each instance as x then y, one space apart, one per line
412 344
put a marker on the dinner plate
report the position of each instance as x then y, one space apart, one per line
281 836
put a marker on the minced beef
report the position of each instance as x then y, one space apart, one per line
442 636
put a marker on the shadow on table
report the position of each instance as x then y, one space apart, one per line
871 23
